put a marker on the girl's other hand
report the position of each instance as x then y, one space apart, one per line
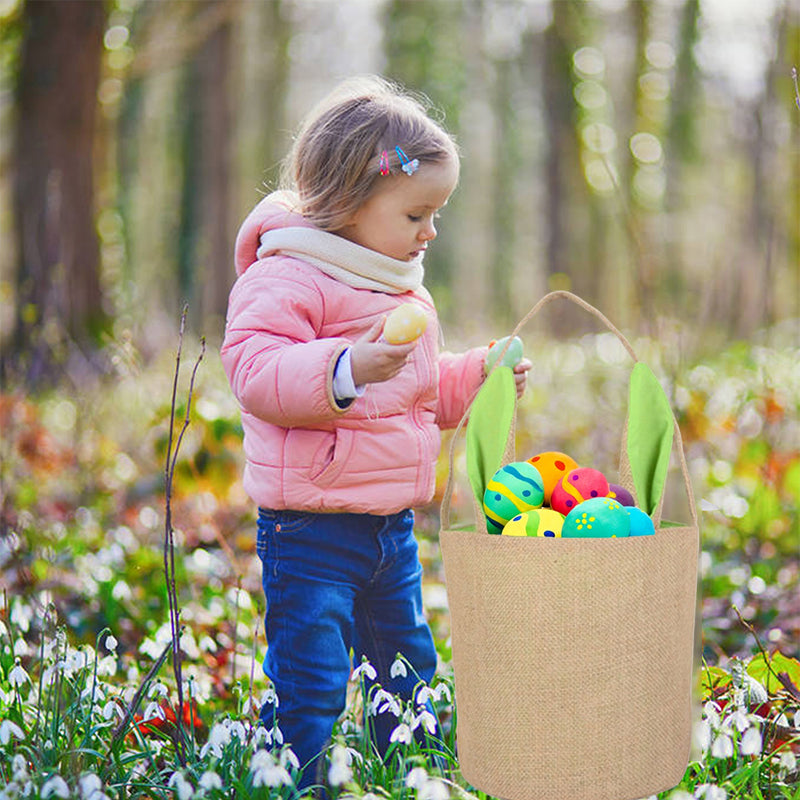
521 375
373 361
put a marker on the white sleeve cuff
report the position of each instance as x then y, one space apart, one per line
343 386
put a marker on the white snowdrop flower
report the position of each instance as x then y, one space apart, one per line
782 720
277 735
3 629
434 789
183 788
19 768
218 737
417 778
9 729
427 720
367 669
112 708
402 733
442 691
398 668
389 703
722 747
158 689
18 677
710 791
289 759
702 735
787 762
425 694
153 711
267 772
111 643
738 720
93 693
270 697
751 743
210 781
55 786
22 616
150 648
22 648
339 772
89 784
261 736
107 666
711 712
190 687
237 730
756 690
797 719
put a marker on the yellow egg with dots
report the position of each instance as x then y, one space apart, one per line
404 324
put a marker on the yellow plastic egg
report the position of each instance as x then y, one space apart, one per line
404 324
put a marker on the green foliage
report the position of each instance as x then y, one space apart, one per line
84 631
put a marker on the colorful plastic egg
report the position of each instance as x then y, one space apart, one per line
641 524
512 357
552 466
621 494
536 522
404 324
514 488
580 484
598 518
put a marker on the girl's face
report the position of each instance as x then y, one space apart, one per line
398 219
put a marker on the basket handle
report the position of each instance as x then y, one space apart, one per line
549 298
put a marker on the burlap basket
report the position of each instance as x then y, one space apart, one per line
573 657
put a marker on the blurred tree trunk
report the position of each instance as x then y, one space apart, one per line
59 295
424 45
561 146
205 240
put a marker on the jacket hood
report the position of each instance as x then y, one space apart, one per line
277 210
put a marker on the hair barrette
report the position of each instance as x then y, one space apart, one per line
409 166
384 163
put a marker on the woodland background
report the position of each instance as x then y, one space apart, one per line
644 154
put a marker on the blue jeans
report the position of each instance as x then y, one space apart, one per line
335 582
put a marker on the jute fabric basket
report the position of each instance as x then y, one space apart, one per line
572 657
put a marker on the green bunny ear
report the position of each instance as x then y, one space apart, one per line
489 423
650 433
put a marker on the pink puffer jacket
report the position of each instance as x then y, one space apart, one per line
287 324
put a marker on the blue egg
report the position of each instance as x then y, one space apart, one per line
641 524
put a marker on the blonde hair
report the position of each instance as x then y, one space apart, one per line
334 163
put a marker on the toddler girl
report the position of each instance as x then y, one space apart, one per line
341 429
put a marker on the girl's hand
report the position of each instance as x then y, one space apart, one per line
521 375
373 361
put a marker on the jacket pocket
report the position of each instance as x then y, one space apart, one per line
331 456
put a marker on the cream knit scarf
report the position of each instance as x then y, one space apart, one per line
342 259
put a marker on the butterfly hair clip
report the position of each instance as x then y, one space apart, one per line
409 166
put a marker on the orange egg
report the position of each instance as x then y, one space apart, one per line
552 466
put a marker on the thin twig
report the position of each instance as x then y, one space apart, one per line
796 88
764 653
169 538
137 698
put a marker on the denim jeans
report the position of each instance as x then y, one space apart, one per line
335 582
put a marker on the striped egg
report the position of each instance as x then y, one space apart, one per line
514 488
576 486
536 522
598 518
